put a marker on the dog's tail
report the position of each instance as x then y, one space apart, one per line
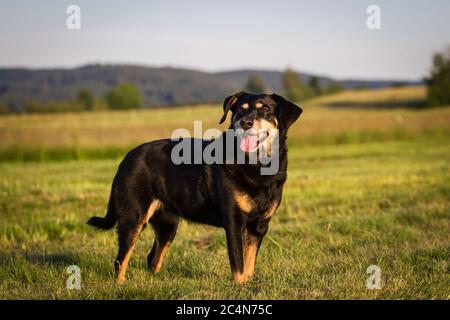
108 221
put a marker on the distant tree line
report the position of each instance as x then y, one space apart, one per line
128 96
122 96
293 87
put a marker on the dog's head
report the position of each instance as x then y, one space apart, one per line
259 117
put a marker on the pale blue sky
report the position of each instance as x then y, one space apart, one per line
324 37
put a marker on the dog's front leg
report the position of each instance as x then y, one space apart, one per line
234 232
253 234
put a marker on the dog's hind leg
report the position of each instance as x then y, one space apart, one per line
129 231
165 225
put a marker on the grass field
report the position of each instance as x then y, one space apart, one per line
365 187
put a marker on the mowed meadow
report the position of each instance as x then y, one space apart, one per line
368 184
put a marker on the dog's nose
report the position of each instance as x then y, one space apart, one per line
246 123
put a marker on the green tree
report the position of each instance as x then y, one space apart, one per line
255 84
86 99
124 96
438 84
293 87
314 84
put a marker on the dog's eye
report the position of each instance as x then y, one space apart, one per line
265 109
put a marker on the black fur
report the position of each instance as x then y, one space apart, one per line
199 193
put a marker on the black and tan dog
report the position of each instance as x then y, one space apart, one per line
150 188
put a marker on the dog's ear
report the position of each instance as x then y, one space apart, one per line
229 103
288 112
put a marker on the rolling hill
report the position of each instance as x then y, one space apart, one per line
163 86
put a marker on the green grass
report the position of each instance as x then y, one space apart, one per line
365 186
346 206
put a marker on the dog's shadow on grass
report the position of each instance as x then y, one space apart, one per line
55 259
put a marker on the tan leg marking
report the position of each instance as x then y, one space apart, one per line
156 204
250 252
161 251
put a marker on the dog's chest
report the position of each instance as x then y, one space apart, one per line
261 204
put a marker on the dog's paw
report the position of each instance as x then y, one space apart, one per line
241 278
120 279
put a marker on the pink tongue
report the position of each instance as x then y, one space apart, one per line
249 143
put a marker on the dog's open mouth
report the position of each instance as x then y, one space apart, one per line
250 142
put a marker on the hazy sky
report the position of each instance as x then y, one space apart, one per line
324 37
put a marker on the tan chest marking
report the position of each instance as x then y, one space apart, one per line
244 202
273 207
247 205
